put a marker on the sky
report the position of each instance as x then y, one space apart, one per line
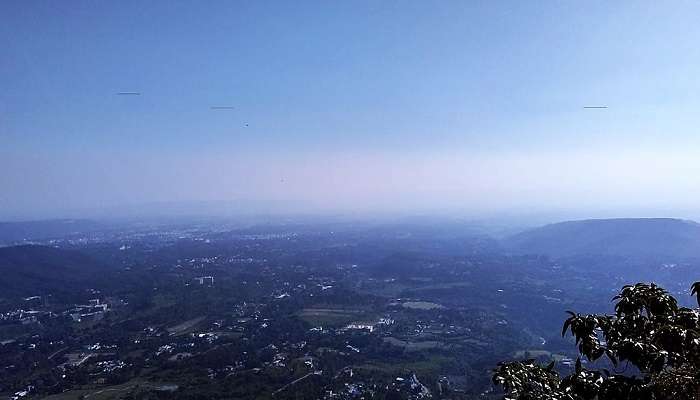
464 107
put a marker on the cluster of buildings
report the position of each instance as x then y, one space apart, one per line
94 311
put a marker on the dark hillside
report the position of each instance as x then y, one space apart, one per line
627 237
34 270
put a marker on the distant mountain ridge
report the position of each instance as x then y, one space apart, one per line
628 237
44 229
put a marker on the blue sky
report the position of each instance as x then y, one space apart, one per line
462 107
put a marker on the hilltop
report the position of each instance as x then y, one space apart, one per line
627 237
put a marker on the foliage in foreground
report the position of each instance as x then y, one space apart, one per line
649 334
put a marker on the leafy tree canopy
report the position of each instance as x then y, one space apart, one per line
648 330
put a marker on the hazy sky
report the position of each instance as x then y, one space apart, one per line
405 106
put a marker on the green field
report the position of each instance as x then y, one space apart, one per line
326 316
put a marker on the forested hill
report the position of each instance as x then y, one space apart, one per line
35 270
627 237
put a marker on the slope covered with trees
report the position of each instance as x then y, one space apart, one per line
627 237
37 270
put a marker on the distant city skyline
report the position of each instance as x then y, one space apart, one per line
451 107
